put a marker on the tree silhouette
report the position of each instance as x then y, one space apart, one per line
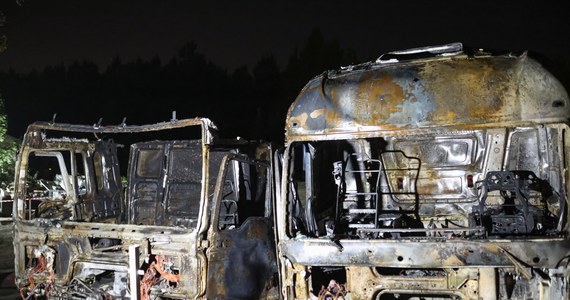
251 104
3 38
316 56
8 149
267 78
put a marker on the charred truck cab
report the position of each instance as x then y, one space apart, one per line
189 217
429 173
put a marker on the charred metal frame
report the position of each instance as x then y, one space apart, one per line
508 241
99 249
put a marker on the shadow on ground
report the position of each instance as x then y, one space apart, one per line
7 287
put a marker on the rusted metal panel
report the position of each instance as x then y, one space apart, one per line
207 124
457 91
427 254
243 267
436 177
241 257
88 238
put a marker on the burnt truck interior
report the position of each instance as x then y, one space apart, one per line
425 187
142 212
70 178
430 173
428 186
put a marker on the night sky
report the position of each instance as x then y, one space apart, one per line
233 34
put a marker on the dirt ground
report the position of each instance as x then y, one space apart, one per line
7 288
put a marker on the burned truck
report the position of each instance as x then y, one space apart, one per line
162 211
429 173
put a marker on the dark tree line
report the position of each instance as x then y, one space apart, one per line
249 103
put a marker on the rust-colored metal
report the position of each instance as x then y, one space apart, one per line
456 92
429 173
83 228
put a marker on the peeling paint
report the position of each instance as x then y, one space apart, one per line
453 91
432 177
92 233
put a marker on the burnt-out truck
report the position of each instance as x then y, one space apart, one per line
162 211
430 173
